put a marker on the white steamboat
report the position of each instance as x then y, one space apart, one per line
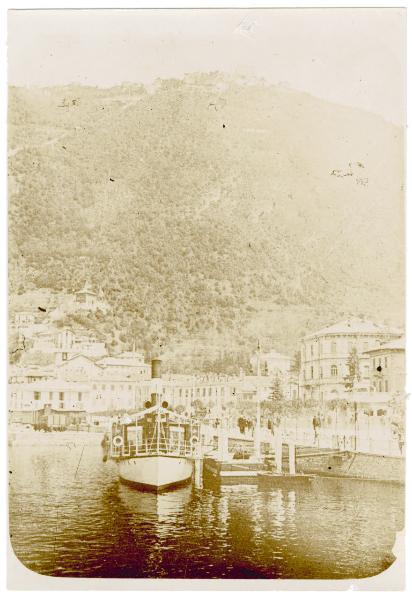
154 448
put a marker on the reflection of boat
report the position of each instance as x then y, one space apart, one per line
156 449
164 507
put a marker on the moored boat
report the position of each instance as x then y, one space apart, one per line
154 448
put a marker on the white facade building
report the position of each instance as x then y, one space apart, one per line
324 355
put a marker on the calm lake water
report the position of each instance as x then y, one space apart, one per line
70 516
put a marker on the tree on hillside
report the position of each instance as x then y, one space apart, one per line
353 370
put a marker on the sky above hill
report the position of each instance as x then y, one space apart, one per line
354 57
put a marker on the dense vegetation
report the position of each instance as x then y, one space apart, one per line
209 211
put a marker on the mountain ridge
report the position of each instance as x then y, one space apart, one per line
207 206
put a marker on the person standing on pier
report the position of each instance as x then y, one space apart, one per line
316 426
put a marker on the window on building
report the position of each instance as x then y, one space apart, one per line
79 396
210 391
381 412
130 387
37 395
50 396
333 347
365 346
320 372
311 372
386 362
61 396
386 386
64 355
380 385
112 387
311 350
104 386
374 364
334 370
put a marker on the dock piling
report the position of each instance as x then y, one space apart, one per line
292 458
278 453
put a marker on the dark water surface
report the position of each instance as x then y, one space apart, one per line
70 516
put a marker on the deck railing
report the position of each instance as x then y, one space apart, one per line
153 448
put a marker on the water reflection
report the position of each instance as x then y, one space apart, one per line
70 516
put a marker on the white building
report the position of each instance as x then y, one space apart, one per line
272 363
88 299
60 395
69 342
78 368
324 355
127 363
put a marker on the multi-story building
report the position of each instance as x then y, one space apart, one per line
387 367
18 374
69 342
324 355
116 382
127 363
209 391
78 368
58 394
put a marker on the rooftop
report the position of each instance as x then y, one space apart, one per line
274 355
87 289
122 361
58 385
397 344
355 326
80 355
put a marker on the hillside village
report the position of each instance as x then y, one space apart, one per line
69 374
242 265
208 212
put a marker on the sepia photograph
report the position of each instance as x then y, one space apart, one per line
206 294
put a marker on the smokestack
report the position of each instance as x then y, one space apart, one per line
156 368
156 382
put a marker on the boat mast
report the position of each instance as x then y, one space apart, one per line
156 386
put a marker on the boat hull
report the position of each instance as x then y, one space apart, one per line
353 465
156 472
